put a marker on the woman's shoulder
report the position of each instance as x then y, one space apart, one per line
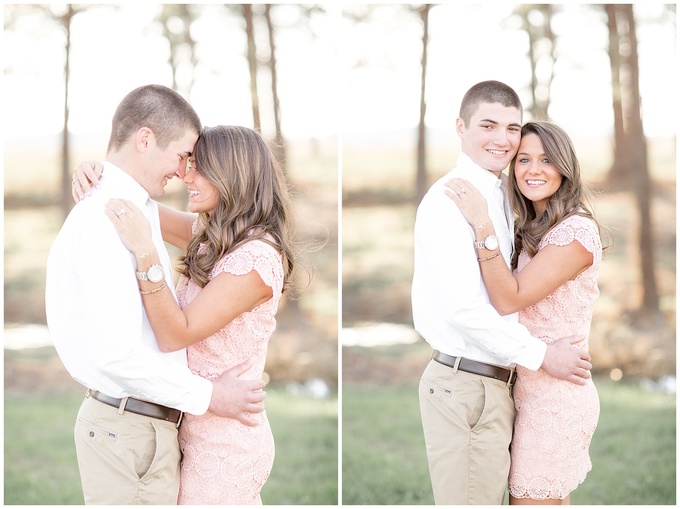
256 253
575 227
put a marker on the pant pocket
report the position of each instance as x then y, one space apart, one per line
475 403
431 389
144 450
87 432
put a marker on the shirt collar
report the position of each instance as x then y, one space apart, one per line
482 179
128 187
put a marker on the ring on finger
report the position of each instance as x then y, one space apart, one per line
121 212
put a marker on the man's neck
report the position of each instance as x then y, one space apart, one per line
496 174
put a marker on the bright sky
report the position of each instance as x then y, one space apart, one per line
116 50
471 43
321 89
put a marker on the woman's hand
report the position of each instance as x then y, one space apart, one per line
85 176
132 227
469 200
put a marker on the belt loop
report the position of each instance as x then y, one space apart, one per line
179 421
88 393
121 408
456 363
511 378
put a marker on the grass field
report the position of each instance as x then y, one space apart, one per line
41 468
633 450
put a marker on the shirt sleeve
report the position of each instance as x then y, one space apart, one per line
254 255
573 228
115 318
445 247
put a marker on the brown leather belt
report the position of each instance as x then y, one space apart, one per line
505 375
137 406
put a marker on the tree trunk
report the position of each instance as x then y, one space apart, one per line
421 169
547 10
252 64
279 144
620 161
66 199
637 146
540 103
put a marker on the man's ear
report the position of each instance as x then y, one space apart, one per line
460 127
143 137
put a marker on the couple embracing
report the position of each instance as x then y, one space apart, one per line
504 284
171 374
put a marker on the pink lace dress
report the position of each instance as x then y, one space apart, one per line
555 419
226 462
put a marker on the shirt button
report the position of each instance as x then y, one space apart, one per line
91 433
431 391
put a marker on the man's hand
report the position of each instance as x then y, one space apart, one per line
565 361
236 398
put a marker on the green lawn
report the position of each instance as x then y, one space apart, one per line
41 468
633 450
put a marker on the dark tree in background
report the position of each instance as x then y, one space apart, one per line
278 146
176 20
631 169
536 22
66 201
62 16
251 52
421 168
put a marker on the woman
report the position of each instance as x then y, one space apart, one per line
553 285
239 258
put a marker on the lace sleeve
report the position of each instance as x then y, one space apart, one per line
578 228
195 227
256 255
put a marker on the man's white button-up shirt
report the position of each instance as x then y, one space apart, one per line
95 312
451 307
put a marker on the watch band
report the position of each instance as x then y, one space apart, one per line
144 276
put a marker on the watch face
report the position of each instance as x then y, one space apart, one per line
155 273
491 242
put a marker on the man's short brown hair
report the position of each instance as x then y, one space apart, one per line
159 108
487 92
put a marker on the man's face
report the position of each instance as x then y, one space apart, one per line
164 164
492 137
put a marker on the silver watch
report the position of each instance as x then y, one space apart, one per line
490 243
155 274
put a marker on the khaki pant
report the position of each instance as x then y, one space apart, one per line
126 458
467 421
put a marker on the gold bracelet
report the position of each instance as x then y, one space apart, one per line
152 291
489 258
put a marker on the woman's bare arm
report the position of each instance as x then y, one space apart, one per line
176 226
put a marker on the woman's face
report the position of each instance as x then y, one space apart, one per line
537 178
203 196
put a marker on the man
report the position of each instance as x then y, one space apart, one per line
126 429
466 390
